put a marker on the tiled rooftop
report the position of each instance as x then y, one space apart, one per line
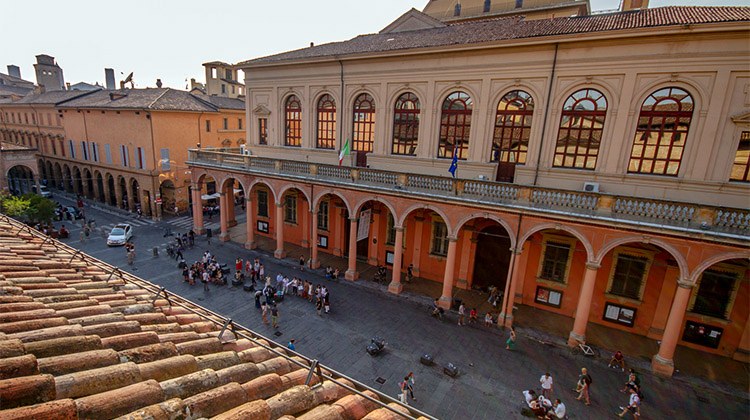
79 340
513 28
157 99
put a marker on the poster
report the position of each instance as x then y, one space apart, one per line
363 229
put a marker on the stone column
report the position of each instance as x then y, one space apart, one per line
398 249
118 194
351 271
250 226
314 240
279 224
417 249
584 305
372 249
131 196
195 190
450 265
305 242
663 363
231 219
223 216
509 294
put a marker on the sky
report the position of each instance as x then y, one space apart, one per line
171 39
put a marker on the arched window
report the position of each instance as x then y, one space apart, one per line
293 122
326 122
510 139
662 129
455 125
405 124
363 123
487 5
457 9
581 127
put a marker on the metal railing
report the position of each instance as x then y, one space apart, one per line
507 196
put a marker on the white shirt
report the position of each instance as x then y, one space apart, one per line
529 397
546 382
560 411
634 400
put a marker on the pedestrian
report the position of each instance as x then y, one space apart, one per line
258 295
634 405
410 384
617 360
204 279
291 345
510 343
557 411
402 396
264 312
238 264
275 316
461 314
546 381
248 267
319 306
82 236
583 386
488 320
301 263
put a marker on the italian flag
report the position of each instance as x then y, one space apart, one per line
344 152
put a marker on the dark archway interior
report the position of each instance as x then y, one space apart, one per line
492 259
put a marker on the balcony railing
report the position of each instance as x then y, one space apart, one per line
681 216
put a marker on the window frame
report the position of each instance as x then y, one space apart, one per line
455 120
558 240
642 136
292 121
323 215
572 120
636 253
502 143
406 115
263 131
363 123
290 208
738 273
262 206
438 245
325 122
744 138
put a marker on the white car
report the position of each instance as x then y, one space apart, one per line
120 234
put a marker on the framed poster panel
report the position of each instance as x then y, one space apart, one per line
619 314
389 257
547 296
323 241
262 226
702 334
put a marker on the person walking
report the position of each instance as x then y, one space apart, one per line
264 312
546 381
204 279
583 387
291 345
275 316
404 389
410 384
510 343
634 405
461 314
319 306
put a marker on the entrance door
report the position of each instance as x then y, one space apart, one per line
492 258
505 172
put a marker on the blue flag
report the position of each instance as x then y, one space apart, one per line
454 162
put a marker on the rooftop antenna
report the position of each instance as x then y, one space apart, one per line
128 79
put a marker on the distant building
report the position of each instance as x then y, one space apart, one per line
85 86
12 86
464 10
221 80
48 74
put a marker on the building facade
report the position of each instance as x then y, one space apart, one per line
601 164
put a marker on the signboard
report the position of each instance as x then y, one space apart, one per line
363 229
262 226
323 241
389 257
157 201
619 314
547 296
702 334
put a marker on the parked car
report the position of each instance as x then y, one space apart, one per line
72 212
43 191
120 234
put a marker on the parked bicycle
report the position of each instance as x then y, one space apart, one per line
585 349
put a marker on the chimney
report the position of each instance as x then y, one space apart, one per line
67 85
14 71
109 78
158 83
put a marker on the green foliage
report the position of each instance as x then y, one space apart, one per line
40 209
16 207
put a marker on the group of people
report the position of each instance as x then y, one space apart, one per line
407 388
207 270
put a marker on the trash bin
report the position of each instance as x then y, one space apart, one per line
156 251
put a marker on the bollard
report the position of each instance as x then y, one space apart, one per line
156 251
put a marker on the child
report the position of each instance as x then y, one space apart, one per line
488 320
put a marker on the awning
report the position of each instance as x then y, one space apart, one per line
210 196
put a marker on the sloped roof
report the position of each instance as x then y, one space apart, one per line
511 28
222 102
157 99
79 343
52 97
14 90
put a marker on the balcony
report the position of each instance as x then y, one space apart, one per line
640 213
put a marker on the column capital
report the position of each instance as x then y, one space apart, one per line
248 199
452 239
222 194
353 219
516 251
684 284
592 266
279 204
398 228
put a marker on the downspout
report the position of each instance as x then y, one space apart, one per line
341 105
546 114
154 178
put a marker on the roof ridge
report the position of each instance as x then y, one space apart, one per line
159 97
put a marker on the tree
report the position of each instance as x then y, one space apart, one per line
13 206
40 209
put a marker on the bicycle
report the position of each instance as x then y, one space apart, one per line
585 349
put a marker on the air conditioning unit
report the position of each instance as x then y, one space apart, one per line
591 187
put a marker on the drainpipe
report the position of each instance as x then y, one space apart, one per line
155 185
546 114
341 105
508 292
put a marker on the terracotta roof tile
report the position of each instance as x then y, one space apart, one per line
75 355
503 29
157 99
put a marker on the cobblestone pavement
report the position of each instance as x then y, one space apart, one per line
491 378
